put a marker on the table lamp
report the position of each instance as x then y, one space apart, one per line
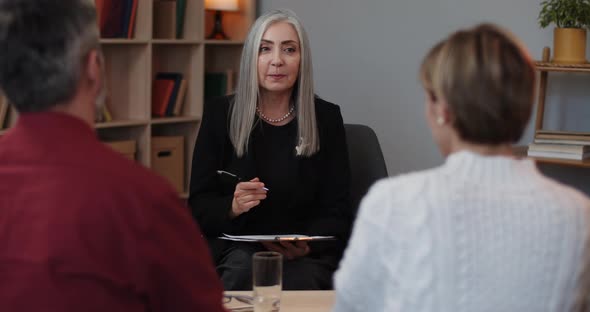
218 6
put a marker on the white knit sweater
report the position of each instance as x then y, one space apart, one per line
476 234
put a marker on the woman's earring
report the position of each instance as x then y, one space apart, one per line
440 120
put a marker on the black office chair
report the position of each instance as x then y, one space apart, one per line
366 161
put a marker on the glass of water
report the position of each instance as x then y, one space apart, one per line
267 275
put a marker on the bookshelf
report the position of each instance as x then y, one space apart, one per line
545 67
133 63
131 66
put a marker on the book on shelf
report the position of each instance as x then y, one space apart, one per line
180 98
165 19
106 113
560 148
559 155
168 94
177 79
561 133
576 138
180 11
219 83
128 20
116 18
563 141
161 94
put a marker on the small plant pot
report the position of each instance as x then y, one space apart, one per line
569 45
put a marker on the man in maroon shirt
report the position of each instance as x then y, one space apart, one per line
81 227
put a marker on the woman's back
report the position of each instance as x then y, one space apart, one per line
477 234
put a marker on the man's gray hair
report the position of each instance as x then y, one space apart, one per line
42 46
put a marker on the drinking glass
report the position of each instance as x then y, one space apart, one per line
267 275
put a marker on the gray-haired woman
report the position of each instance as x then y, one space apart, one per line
275 134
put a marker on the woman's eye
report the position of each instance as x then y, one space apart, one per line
264 49
290 50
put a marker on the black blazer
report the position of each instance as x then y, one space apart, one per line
320 205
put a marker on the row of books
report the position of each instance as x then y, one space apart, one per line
169 18
168 92
560 145
116 18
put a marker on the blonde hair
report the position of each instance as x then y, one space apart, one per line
428 66
487 78
243 109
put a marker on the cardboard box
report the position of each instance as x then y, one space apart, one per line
127 148
168 159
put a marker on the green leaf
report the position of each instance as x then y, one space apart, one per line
565 13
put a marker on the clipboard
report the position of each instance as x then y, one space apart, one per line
274 238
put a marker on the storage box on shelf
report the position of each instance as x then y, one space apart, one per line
132 65
139 135
127 148
168 160
569 141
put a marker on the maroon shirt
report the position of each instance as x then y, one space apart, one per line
84 229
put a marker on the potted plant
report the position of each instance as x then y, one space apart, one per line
571 18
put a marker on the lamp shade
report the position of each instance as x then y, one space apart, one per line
222 5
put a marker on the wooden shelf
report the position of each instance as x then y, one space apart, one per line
224 42
175 41
558 67
565 162
171 120
544 67
120 123
123 41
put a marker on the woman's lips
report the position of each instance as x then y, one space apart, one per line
277 76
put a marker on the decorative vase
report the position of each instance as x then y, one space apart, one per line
569 45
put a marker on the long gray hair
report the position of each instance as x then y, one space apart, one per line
243 111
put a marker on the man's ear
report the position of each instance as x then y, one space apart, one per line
94 70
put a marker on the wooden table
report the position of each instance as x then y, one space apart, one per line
297 301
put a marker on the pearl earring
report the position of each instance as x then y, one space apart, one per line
440 120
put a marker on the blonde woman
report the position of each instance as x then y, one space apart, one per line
485 231
288 148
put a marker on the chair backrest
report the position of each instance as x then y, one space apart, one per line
366 161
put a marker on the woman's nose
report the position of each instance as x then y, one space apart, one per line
277 60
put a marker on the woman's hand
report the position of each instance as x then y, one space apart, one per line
247 196
289 250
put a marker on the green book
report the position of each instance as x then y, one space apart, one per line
180 8
215 84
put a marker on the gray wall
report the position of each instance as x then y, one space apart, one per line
367 54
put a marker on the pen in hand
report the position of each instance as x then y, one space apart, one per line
233 176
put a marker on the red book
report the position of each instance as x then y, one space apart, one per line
100 13
132 19
113 15
161 93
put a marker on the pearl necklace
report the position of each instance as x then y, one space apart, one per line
275 120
